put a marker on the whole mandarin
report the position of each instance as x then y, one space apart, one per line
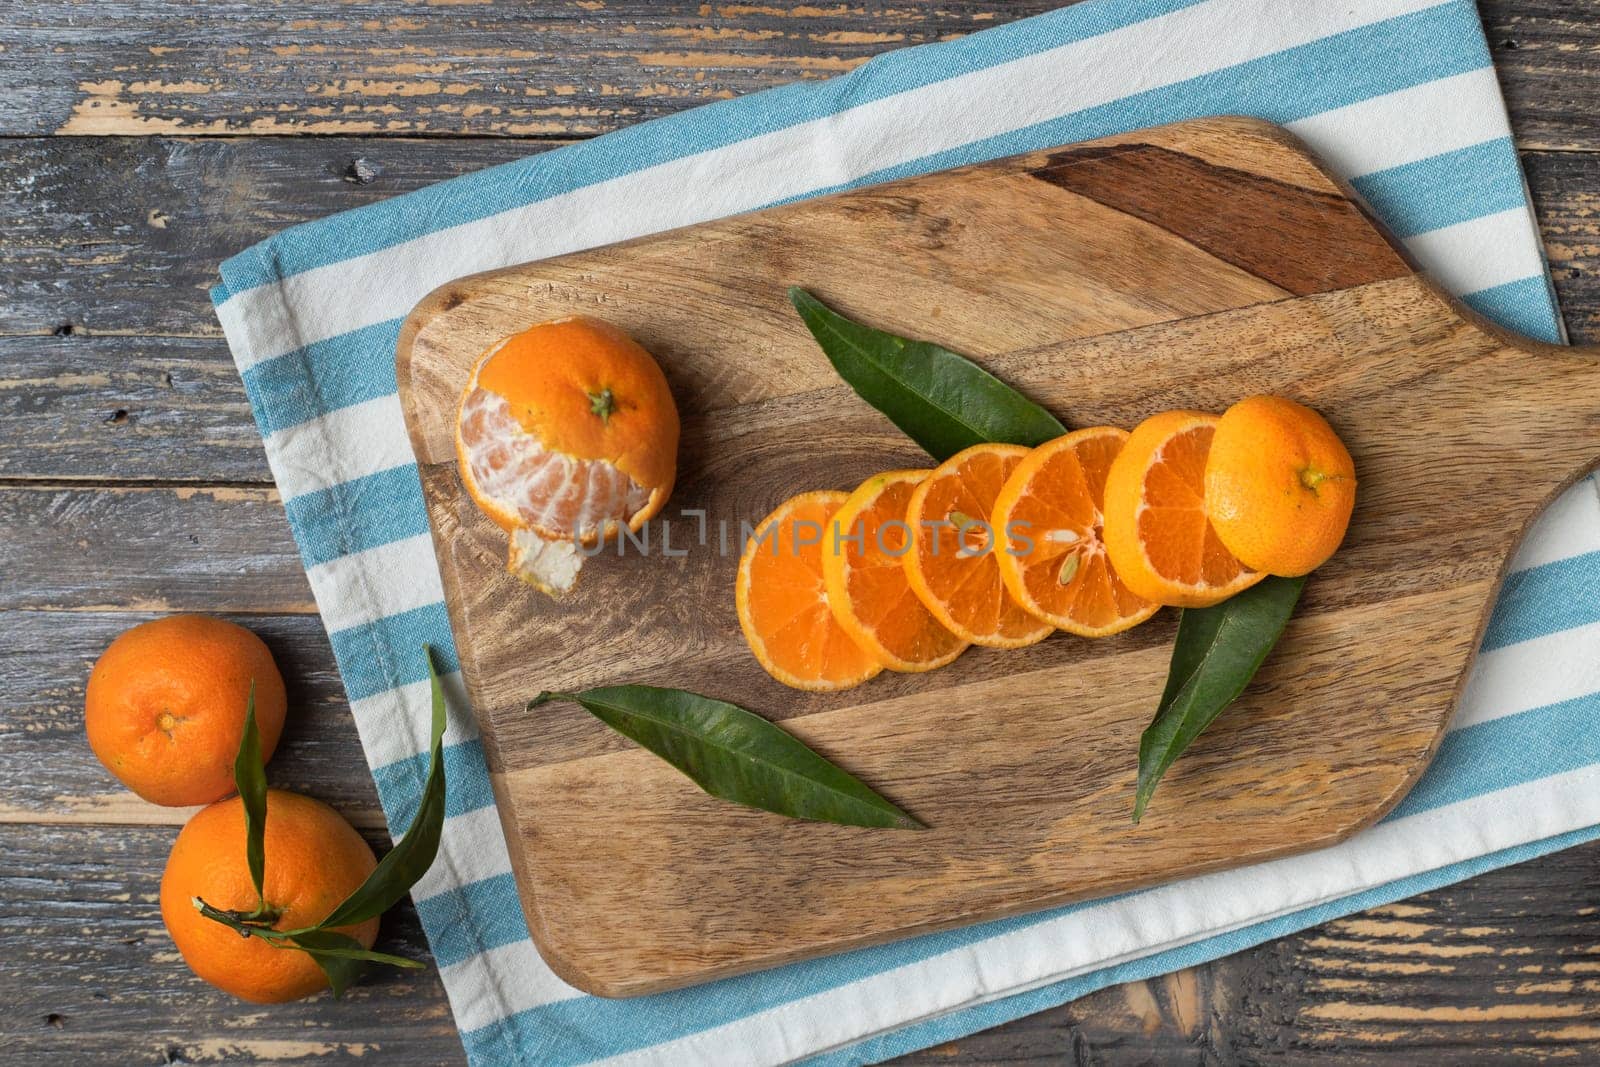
314 860
1280 485
166 704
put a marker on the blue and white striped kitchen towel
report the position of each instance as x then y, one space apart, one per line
1399 95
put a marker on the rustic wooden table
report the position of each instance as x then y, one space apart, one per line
143 143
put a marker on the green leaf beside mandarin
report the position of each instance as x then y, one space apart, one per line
414 853
341 970
736 755
943 401
334 944
250 778
1217 652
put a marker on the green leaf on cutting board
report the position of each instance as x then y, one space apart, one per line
1217 652
736 755
941 400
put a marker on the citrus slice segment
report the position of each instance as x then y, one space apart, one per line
783 603
1157 534
951 565
868 591
1049 516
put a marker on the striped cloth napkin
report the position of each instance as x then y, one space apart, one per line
1398 95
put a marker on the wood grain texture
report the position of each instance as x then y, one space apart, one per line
217 548
1498 969
1072 274
558 67
142 262
396 67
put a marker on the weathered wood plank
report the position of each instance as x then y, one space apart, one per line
91 977
1500 969
97 408
148 549
1545 54
51 776
186 416
73 258
548 68
1566 197
558 69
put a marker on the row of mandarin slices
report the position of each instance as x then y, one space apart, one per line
1000 545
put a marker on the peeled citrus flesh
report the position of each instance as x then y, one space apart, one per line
566 433
951 565
1049 513
1157 535
868 591
782 600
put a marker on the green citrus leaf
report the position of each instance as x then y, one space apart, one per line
736 755
1218 650
941 400
334 945
250 778
342 958
413 854
342 971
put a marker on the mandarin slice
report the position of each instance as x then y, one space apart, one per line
1156 531
1050 516
951 565
782 600
868 590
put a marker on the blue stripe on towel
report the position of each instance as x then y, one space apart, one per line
1523 305
380 655
466 778
325 376
473 918
1545 600
1430 194
350 517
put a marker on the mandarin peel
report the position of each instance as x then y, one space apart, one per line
566 434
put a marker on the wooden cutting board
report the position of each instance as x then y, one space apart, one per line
1186 266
